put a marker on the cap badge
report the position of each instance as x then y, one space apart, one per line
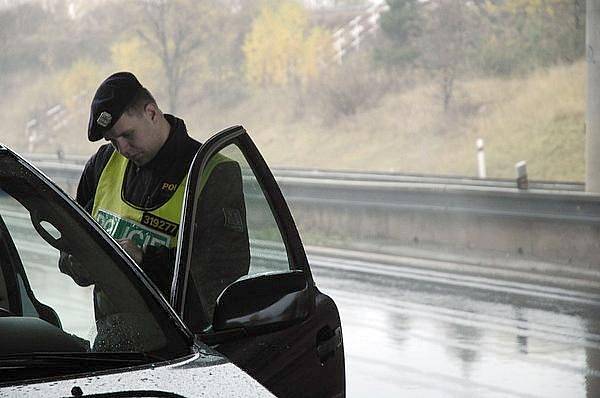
104 119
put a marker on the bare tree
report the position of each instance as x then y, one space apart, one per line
446 44
175 31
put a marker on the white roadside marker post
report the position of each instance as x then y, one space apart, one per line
481 172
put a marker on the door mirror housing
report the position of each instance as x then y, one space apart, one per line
263 302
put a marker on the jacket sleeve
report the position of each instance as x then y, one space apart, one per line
86 189
158 262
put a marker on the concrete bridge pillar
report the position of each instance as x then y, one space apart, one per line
592 144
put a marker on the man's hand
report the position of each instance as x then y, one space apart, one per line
131 249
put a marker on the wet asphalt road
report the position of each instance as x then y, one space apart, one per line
415 333
410 332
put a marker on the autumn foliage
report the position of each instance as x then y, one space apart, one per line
282 47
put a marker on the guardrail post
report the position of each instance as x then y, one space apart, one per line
522 181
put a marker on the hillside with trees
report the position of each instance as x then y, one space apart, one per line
414 97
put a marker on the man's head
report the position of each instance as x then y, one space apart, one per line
125 113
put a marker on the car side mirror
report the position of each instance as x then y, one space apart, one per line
263 302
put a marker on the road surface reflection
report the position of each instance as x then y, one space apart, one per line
423 338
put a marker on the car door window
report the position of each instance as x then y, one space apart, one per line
63 280
235 234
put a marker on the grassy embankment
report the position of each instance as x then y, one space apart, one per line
538 118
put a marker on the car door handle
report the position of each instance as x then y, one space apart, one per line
328 342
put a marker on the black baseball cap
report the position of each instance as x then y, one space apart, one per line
110 101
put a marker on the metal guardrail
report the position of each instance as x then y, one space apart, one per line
55 158
450 198
473 196
423 178
72 164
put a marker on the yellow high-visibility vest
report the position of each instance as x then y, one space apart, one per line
145 227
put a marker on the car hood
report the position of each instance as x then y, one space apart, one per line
199 375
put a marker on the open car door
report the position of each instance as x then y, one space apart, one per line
242 280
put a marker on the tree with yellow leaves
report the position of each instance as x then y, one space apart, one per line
132 54
282 47
79 79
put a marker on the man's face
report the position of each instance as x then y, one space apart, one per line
136 136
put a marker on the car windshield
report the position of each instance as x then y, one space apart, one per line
64 290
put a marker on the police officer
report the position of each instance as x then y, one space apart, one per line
134 185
